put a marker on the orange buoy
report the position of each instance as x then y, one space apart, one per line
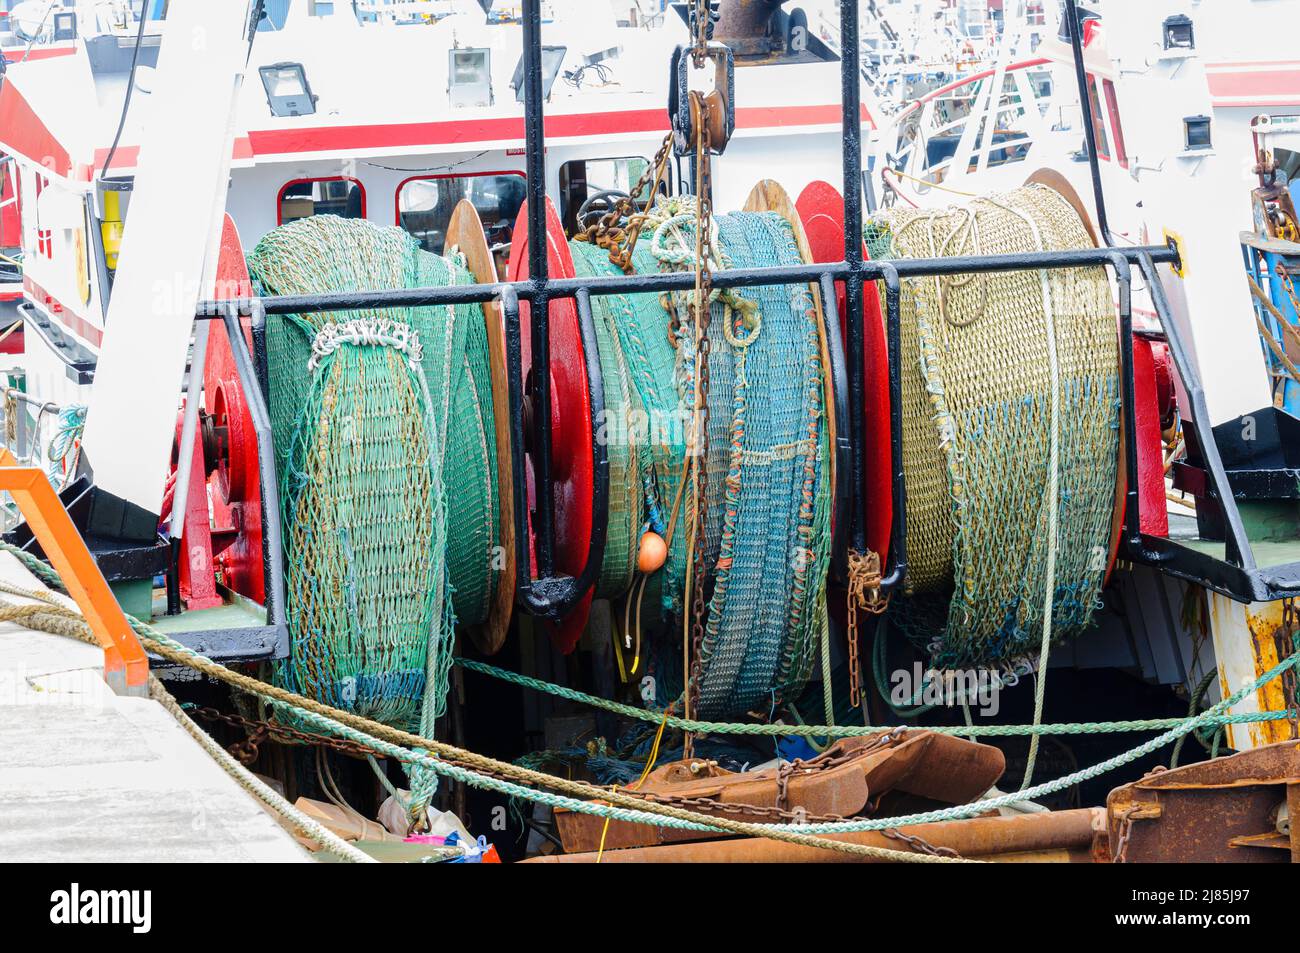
653 552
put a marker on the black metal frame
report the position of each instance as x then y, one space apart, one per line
550 594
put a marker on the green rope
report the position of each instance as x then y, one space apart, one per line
434 765
879 662
851 731
1192 704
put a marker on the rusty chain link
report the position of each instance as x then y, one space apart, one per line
1285 637
259 732
700 312
1124 833
863 593
919 844
620 239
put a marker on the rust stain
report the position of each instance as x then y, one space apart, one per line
1264 626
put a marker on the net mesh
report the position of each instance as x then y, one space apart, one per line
768 474
363 404
978 396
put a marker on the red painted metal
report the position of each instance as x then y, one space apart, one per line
821 209
198 583
969 80
571 464
23 133
1147 411
11 235
236 492
60 312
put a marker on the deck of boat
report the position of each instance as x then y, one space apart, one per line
89 775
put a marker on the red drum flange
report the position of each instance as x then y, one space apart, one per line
237 504
821 208
571 463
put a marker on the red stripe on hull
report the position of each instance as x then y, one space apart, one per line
25 134
60 312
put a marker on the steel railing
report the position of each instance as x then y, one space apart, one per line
550 594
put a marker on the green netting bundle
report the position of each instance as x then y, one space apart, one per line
618 429
379 418
1011 412
643 428
768 488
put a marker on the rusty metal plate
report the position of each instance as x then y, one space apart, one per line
1229 810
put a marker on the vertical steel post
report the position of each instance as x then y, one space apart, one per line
534 136
1085 108
895 570
1128 399
851 94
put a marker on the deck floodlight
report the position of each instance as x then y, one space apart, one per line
1196 134
65 26
287 90
469 76
1178 33
552 60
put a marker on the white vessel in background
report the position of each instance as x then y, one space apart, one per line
391 111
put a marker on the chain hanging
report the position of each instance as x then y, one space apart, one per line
620 239
1286 638
863 593
699 569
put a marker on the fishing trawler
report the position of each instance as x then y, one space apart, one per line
636 415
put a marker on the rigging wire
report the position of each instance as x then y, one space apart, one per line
130 87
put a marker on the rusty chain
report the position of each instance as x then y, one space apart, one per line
1124 833
1285 638
701 21
700 312
863 593
259 732
620 239
919 844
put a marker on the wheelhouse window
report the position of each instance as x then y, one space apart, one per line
275 13
588 187
337 195
425 204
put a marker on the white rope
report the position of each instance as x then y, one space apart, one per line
1053 494
366 332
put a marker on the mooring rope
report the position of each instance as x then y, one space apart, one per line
60 618
485 772
423 753
769 729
